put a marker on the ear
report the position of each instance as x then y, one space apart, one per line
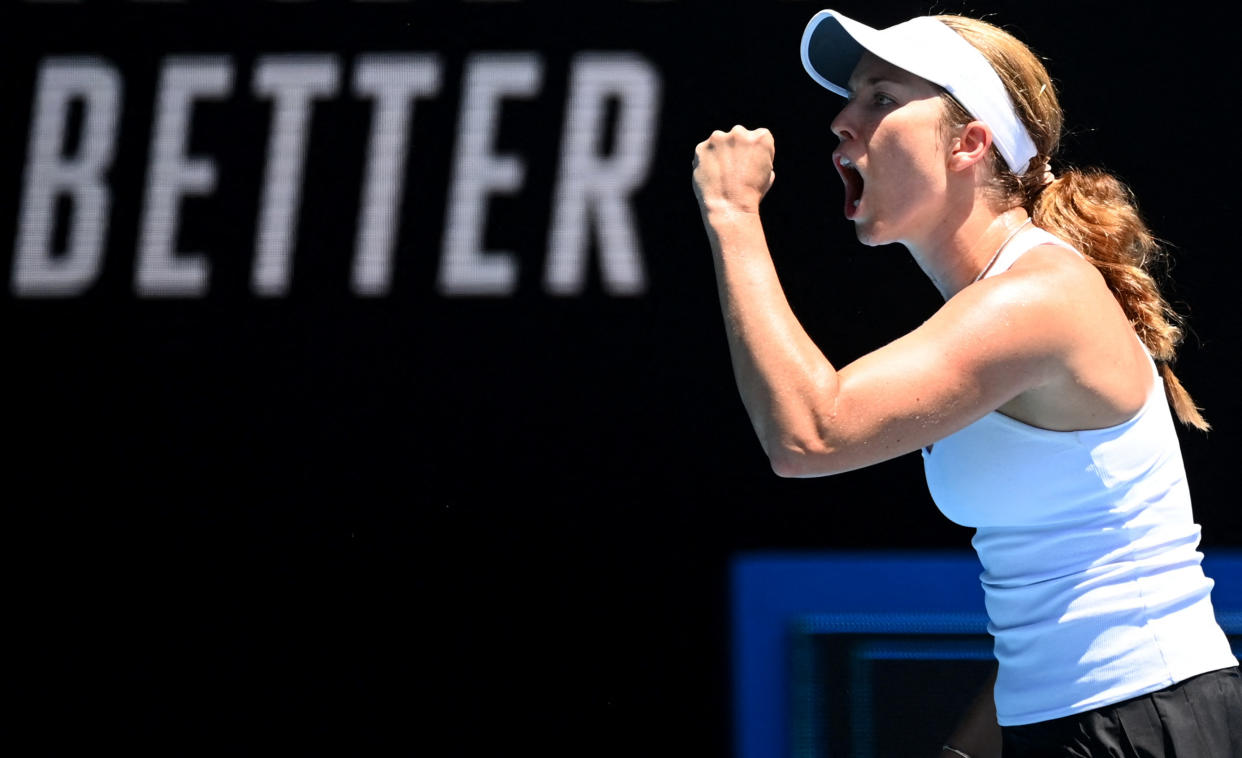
971 146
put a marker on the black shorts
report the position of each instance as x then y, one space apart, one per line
1200 717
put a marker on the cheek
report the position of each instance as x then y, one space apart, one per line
912 138
902 170
912 165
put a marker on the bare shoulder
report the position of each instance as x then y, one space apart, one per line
1052 290
1038 304
1096 372
1068 291
1041 323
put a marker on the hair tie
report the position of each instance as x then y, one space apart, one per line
1048 177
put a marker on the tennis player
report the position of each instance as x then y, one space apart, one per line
1041 393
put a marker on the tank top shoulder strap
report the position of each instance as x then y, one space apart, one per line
1025 240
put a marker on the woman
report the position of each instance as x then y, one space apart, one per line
1036 393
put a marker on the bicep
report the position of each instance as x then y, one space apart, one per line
969 359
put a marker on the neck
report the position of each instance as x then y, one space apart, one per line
957 256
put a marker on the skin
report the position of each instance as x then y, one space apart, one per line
1044 342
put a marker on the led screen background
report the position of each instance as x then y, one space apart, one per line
366 374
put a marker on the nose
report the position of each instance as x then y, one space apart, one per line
843 125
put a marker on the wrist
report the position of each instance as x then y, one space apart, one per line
725 209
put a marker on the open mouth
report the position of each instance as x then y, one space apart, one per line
853 184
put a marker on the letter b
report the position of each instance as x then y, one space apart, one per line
38 270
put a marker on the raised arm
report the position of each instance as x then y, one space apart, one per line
983 348
779 370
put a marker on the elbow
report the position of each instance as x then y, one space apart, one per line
791 460
786 466
805 442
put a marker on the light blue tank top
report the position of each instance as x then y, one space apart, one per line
1091 568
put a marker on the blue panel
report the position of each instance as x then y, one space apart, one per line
781 600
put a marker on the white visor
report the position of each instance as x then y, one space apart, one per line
832 45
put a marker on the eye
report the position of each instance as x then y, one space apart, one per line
874 98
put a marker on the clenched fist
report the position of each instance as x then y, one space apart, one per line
733 170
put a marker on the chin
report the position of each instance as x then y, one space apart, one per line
868 235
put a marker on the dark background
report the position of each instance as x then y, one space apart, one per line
469 525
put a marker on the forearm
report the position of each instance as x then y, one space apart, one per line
784 379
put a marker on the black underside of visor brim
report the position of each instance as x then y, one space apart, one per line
833 52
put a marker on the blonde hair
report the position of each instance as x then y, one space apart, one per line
1089 208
